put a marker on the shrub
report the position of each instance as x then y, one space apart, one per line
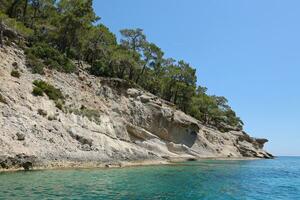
52 117
100 68
42 112
59 105
15 64
52 92
37 67
37 91
19 27
91 114
2 99
51 57
15 73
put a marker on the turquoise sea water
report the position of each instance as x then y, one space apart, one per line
256 179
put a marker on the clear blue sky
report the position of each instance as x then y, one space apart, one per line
245 50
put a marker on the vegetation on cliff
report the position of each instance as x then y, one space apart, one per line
58 32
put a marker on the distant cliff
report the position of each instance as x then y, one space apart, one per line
65 120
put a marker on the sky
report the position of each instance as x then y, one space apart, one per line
245 50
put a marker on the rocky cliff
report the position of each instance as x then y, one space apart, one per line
103 121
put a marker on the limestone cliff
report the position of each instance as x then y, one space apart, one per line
103 121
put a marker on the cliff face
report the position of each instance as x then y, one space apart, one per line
104 121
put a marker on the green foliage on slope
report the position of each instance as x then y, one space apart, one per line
2 99
42 87
52 92
51 57
15 73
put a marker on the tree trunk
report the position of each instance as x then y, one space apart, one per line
141 74
175 95
121 70
33 17
130 77
25 10
1 35
112 68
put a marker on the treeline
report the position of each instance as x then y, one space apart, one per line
60 31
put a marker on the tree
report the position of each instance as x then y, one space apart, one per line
179 84
1 32
11 11
25 10
99 44
120 63
75 20
4 4
133 39
42 11
152 57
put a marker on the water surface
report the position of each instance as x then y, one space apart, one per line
252 179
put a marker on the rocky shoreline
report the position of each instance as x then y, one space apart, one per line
99 165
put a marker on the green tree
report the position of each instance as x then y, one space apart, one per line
179 83
152 57
99 44
123 63
76 17
12 9
133 39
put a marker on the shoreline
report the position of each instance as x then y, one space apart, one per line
69 165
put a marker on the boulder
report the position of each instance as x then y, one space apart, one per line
132 92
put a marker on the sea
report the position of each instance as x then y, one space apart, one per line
208 179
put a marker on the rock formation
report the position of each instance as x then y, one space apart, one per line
103 121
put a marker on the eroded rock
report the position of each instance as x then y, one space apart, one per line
18 161
109 121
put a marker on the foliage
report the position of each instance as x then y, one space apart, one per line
133 39
42 112
37 66
16 25
91 114
51 57
52 92
59 104
73 24
213 110
15 73
99 44
2 99
37 91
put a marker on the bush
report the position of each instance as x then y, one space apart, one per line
37 91
15 73
51 57
52 92
100 68
42 112
19 27
91 114
37 67
59 105
2 100
51 118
